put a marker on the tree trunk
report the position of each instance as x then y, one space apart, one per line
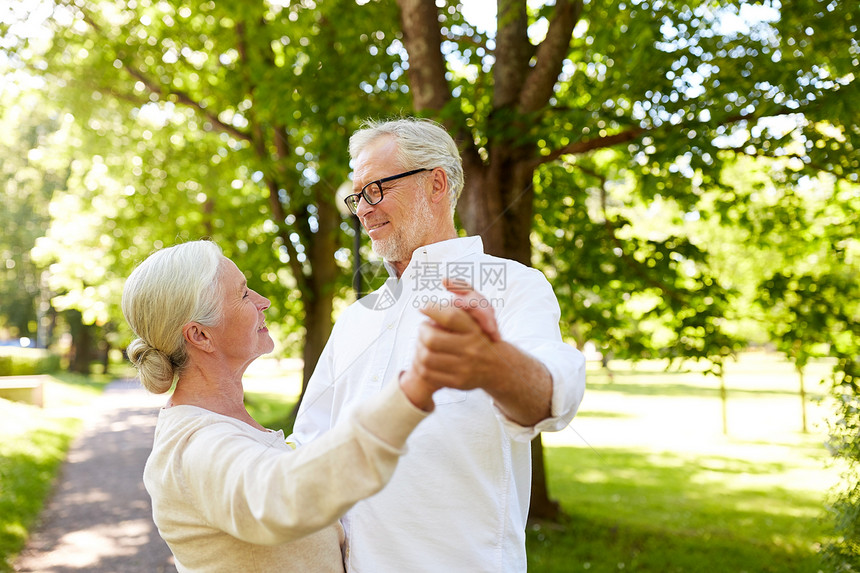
724 401
318 325
79 356
804 427
318 307
104 354
541 506
317 330
318 294
496 202
499 197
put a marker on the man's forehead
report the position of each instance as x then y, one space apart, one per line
376 157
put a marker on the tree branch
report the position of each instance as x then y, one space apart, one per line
162 91
550 56
630 134
184 98
584 146
513 52
422 39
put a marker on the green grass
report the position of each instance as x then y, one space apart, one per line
649 482
33 444
643 512
271 410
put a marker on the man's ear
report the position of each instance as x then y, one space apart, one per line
440 185
197 336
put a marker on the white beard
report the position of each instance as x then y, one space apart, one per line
411 234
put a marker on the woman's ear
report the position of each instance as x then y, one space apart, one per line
197 336
440 185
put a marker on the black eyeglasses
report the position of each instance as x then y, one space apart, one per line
372 192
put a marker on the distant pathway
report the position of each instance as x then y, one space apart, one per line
99 517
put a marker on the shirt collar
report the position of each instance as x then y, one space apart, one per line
451 249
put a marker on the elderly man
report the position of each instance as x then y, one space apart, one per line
459 499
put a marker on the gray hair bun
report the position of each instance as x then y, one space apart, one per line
156 370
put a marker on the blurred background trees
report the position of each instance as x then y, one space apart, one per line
686 174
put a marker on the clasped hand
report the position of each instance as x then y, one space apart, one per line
455 347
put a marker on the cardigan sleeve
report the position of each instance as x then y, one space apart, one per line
267 495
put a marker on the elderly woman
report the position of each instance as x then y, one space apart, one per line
228 494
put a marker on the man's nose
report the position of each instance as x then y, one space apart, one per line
363 207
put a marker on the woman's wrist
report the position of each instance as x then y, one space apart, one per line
419 392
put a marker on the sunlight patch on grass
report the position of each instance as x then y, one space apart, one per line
16 419
275 377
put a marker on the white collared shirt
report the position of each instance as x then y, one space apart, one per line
459 498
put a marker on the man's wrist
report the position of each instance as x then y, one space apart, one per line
524 392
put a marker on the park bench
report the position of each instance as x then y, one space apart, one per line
29 389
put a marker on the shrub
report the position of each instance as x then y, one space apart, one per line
843 555
26 361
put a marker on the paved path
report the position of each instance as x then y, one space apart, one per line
99 518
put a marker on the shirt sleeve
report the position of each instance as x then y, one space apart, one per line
530 321
267 495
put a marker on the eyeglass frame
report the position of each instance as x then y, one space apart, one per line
378 183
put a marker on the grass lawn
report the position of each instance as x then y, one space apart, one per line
33 444
649 481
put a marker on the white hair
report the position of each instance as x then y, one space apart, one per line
170 288
421 143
